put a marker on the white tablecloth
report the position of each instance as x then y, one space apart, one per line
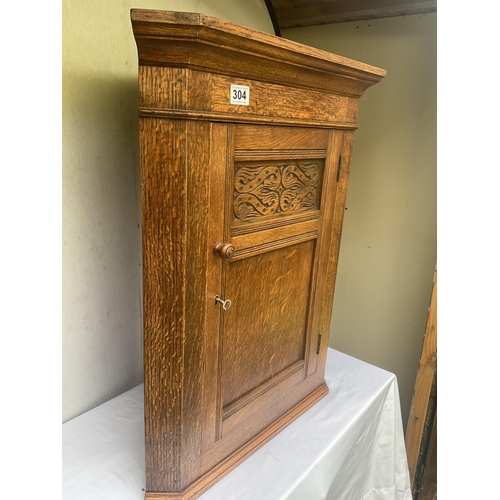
349 446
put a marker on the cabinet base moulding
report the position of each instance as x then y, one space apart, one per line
206 481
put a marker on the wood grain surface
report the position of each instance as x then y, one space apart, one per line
295 13
265 329
424 386
164 243
205 43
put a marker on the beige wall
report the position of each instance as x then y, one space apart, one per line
102 343
388 250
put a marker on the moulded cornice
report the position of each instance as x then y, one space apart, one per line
204 43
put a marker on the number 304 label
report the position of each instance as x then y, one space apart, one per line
240 94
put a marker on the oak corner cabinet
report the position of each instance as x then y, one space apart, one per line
245 143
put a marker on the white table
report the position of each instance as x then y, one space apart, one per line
349 446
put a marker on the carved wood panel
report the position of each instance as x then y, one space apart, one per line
265 188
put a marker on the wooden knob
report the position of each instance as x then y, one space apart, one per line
224 250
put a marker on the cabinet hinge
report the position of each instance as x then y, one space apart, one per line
319 344
338 168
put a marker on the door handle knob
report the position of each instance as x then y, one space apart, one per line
224 250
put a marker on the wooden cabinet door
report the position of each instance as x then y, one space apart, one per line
272 198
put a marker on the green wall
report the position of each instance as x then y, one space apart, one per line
388 250
101 325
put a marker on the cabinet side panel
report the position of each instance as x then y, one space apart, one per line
163 184
198 192
318 337
163 87
338 219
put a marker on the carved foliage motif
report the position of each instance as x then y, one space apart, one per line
261 190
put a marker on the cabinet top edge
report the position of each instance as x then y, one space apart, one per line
161 27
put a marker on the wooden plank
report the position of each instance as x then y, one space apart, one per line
255 137
196 268
423 387
334 216
162 87
274 19
164 197
247 241
279 101
293 14
428 490
219 151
